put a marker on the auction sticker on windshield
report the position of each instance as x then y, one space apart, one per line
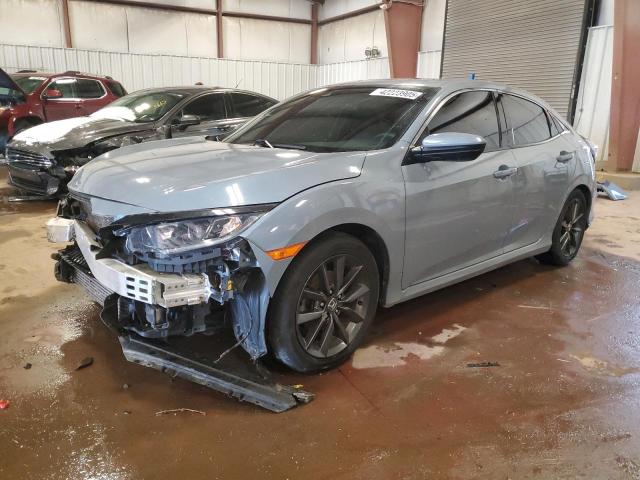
396 92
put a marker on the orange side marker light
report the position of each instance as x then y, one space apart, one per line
286 252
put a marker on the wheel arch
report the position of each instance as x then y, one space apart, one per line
587 196
32 120
374 243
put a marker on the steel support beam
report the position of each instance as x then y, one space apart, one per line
625 94
219 34
66 25
314 33
403 22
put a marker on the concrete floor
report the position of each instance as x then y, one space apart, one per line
563 402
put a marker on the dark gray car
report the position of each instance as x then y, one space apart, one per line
42 159
299 225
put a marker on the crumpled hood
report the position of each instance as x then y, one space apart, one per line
74 133
6 100
7 82
193 173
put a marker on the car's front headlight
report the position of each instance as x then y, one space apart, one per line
165 239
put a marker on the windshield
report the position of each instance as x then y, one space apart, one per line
338 119
28 84
140 107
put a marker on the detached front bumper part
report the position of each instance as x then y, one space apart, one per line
135 282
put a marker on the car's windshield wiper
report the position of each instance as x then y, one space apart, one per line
263 142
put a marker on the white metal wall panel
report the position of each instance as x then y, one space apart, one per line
31 22
432 33
251 39
278 8
346 40
594 99
110 32
529 44
276 79
429 64
333 8
206 4
350 71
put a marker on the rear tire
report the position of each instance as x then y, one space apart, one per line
324 304
568 232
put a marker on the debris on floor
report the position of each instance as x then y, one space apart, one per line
84 363
483 364
27 366
611 190
4 404
179 410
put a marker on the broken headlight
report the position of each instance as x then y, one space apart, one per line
169 238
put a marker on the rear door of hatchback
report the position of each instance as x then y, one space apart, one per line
545 162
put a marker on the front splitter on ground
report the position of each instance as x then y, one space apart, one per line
215 361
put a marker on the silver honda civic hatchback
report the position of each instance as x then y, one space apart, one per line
339 200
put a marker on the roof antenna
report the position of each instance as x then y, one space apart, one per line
239 82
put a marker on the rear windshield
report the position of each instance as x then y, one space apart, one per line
28 84
338 119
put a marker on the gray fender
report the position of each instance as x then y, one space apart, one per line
304 216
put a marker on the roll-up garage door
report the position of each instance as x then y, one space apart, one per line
530 44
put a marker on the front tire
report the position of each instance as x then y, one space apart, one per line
568 232
324 304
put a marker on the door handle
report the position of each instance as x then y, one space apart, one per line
504 171
564 156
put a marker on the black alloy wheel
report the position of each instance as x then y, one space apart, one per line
568 232
324 303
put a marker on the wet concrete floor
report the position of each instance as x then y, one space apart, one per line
562 401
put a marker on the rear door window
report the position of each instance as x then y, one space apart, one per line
208 107
90 88
526 121
469 112
67 86
246 105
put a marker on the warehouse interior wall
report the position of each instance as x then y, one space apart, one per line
431 39
137 29
346 40
45 18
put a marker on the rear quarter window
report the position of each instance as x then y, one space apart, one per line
527 121
116 88
89 88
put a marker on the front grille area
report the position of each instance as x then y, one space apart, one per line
72 256
15 156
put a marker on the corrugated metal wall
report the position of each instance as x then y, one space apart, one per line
136 71
594 98
429 64
531 44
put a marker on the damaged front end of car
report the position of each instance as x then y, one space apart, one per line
161 276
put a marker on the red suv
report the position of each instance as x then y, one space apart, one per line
28 98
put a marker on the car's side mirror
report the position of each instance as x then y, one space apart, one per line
187 120
52 94
447 147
